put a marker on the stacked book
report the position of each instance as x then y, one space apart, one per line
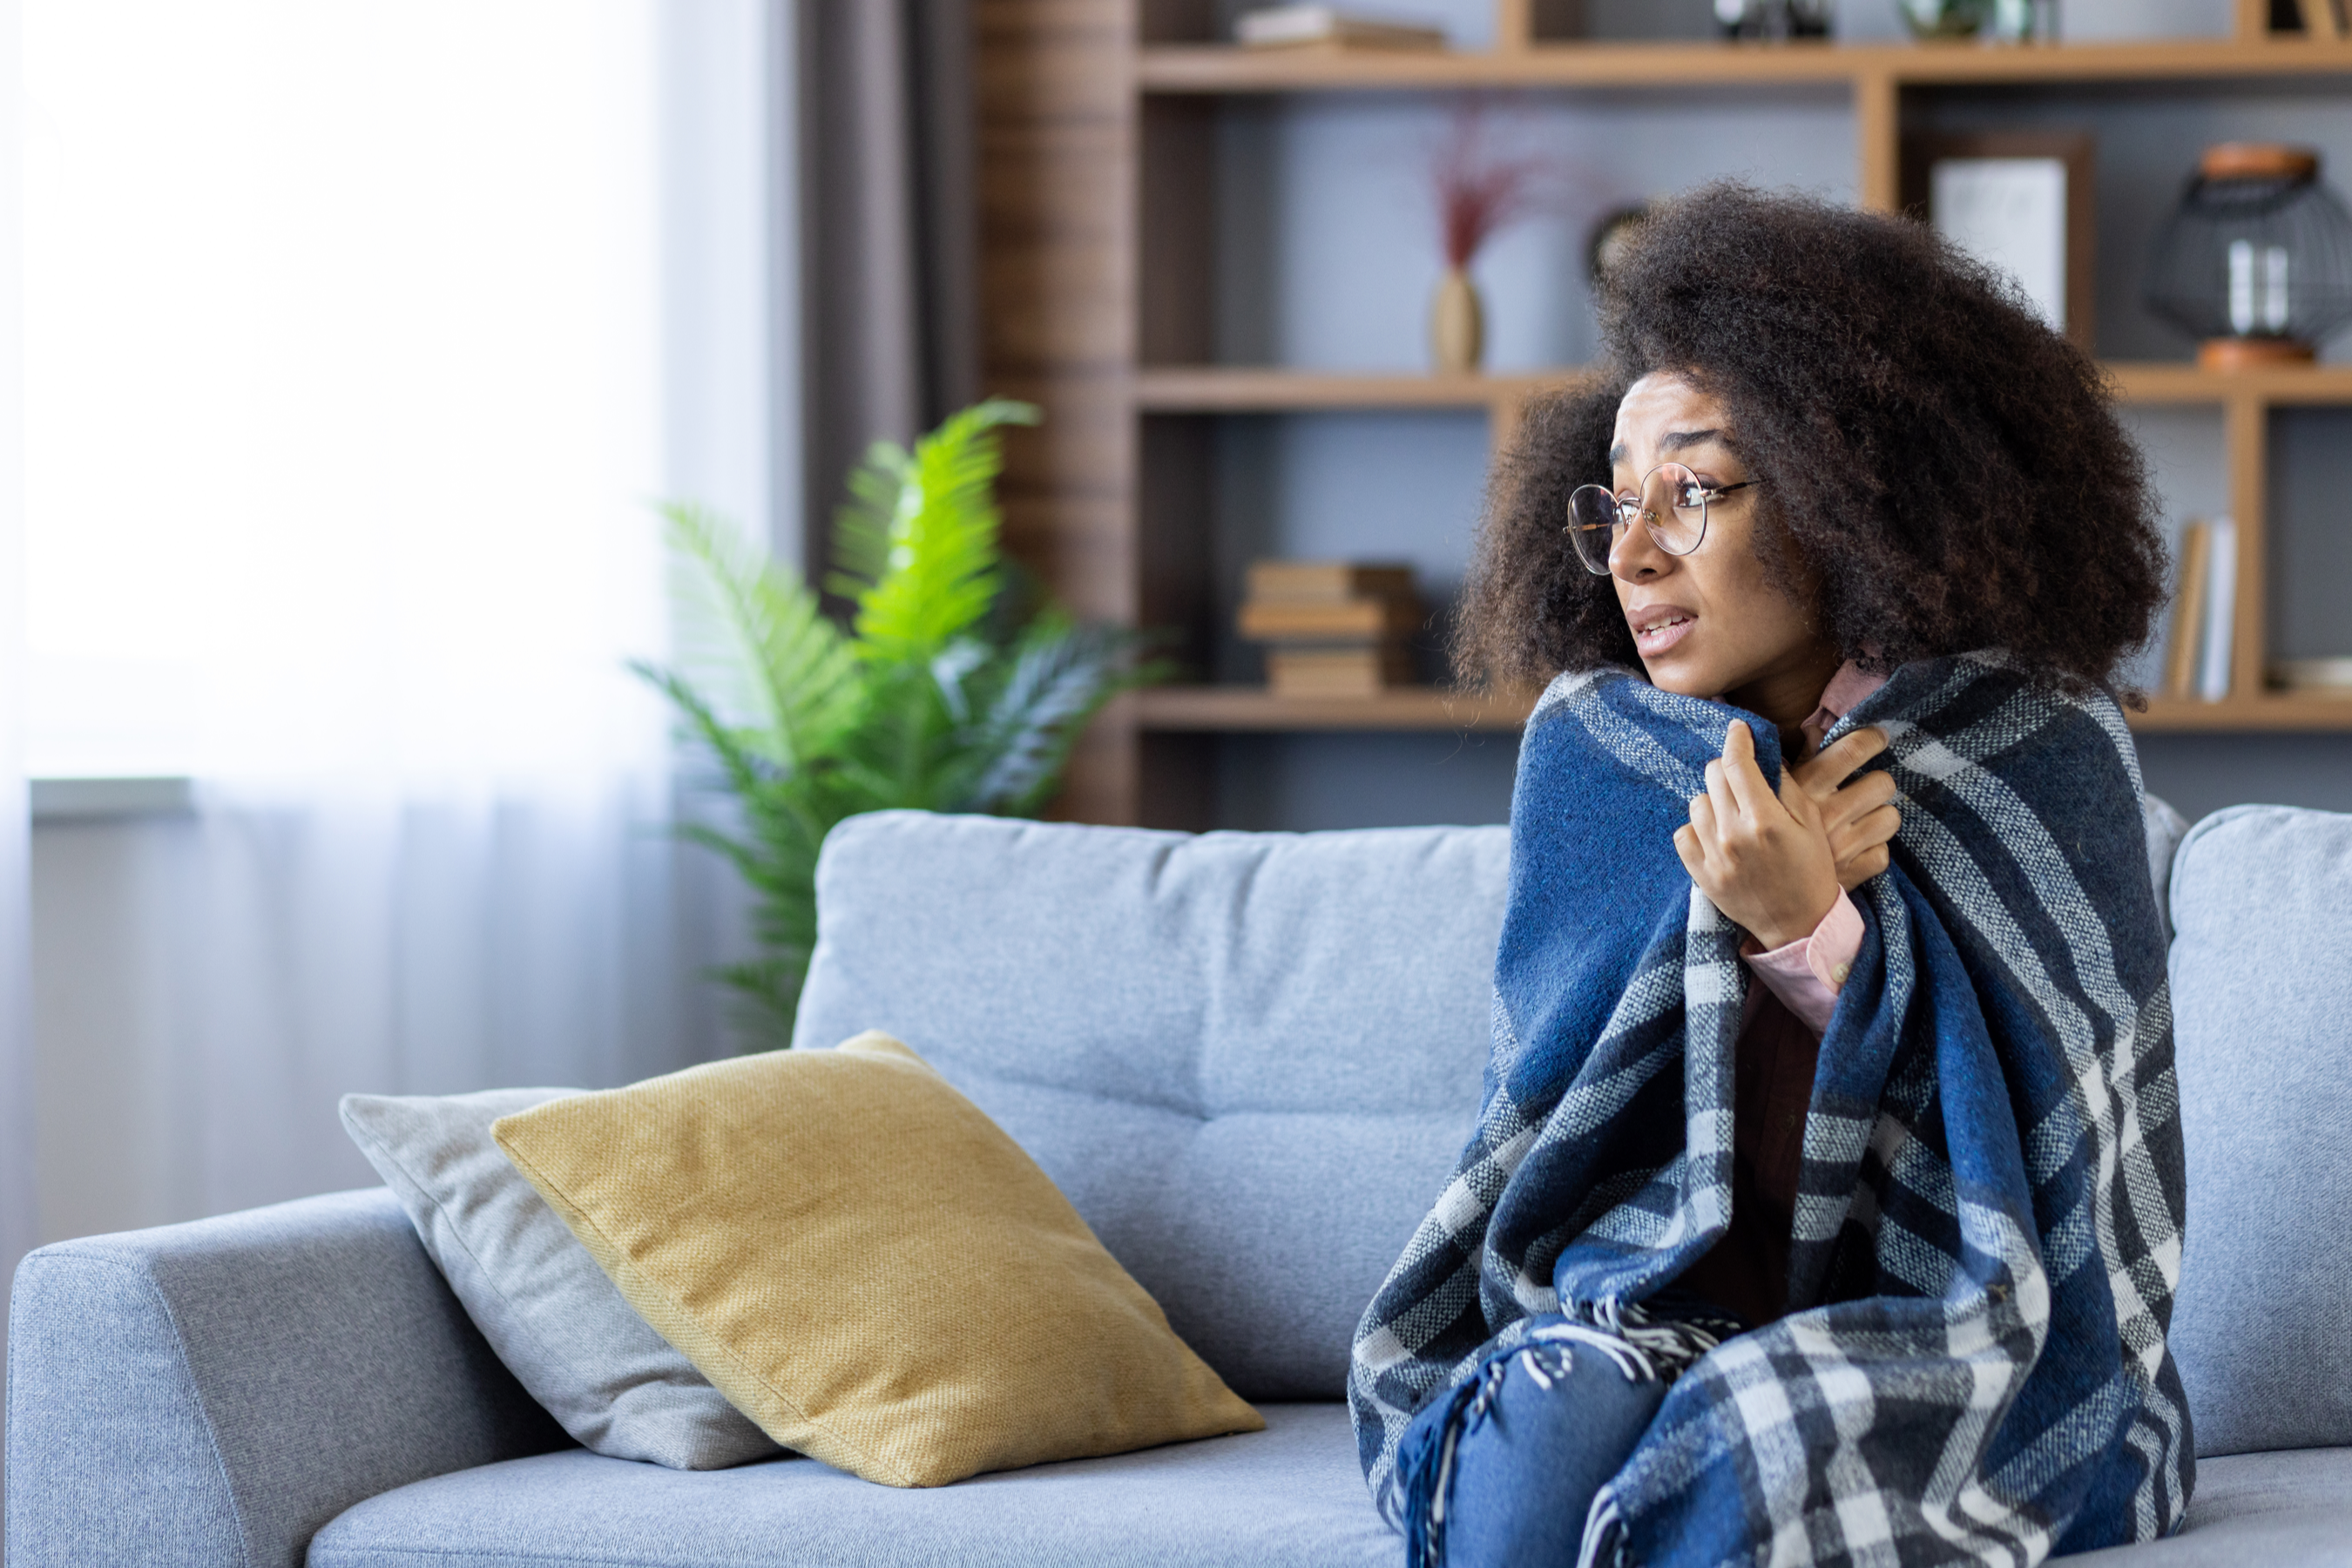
2204 612
1333 628
2314 676
1329 27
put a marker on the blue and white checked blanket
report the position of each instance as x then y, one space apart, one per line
1989 1218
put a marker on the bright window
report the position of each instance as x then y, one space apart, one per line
341 385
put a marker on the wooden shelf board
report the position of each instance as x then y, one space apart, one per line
1222 68
1212 389
1429 708
2154 381
2272 711
1207 389
1228 708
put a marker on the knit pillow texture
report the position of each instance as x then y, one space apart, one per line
546 1309
868 1266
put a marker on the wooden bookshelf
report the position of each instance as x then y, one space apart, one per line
1098 128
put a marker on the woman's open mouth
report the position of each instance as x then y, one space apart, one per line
1656 630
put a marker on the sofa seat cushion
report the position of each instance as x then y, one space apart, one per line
1289 1495
2289 1509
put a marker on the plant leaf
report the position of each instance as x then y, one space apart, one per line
935 573
807 688
1058 677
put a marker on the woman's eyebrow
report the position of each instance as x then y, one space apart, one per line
1675 441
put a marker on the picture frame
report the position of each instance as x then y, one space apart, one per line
2034 191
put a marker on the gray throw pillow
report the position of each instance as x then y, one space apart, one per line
533 1291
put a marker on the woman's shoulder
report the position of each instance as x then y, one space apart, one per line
1571 684
1993 693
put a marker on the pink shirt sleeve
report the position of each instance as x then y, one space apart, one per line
1808 973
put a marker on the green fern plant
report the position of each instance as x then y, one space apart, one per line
943 694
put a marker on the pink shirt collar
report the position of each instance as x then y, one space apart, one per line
1848 686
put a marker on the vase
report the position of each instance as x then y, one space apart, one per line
1457 323
1939 21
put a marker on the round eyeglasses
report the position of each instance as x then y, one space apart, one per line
1672 504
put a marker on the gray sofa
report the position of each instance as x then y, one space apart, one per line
1250 1062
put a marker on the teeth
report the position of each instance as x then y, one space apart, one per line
1661 625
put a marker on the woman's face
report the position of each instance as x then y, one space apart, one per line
1709 623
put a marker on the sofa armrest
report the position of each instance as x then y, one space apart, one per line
209 1395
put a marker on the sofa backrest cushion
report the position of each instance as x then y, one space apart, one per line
2262 996
1249 1059
2165 827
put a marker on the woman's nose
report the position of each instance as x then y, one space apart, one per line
1634 556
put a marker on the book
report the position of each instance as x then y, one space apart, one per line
2185 643
1297 26
2323 18
2319 677
2220 610
1328 580
1337 672
1341 620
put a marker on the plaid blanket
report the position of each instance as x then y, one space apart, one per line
1989 1218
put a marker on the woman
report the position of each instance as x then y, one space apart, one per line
1825 1201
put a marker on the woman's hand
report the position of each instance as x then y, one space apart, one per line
1766 861
1860 818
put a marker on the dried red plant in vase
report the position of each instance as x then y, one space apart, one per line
1479 193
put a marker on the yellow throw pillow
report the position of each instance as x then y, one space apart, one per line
866 1266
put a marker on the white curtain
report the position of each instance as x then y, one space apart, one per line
20 1212
358 337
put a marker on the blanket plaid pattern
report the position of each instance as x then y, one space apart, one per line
1988 1226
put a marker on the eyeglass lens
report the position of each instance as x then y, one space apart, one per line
1672 504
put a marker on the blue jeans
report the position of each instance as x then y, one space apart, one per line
1535 1433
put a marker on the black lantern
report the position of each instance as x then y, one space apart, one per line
2257 262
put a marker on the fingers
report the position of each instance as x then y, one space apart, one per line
1857 800
1837 762
1694 857
1739 773
1703 823
1854 873
1798 800
1874 829
1722 801
1861 847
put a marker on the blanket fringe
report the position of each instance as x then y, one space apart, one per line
1604 1532
1642 1347
1669 1345
1467 1405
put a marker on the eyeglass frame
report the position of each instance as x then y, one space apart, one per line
1708 495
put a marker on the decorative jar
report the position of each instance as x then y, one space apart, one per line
2257 261
1937 21
1774 20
